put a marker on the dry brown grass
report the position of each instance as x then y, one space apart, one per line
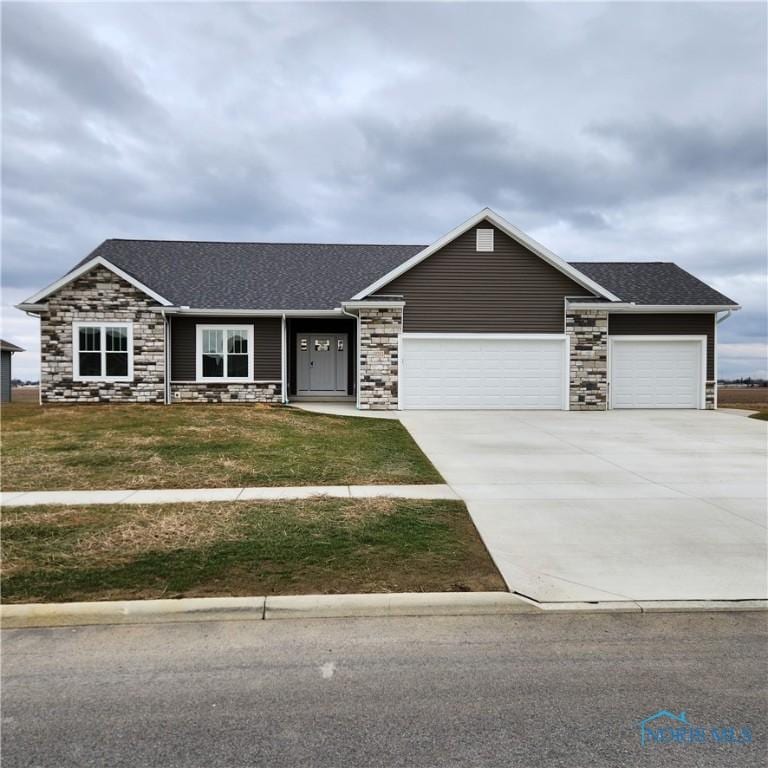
242 548
200 446
749 398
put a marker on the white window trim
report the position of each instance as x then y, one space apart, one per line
101 324
702 339
248 329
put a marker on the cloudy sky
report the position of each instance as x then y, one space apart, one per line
607 132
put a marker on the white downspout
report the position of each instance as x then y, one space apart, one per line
727 314
357 362
718 320
283 363
167 354
40 369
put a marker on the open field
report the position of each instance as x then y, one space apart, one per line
242 548
81 447
25 394
749 398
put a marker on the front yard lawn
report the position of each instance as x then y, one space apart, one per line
241 548
83 447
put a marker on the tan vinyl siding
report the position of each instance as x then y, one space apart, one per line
508 290
663 324
267 346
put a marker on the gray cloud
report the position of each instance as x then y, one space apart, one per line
617 131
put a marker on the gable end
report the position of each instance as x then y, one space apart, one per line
84 269
462 289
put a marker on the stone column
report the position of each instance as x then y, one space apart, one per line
588 333
379 331
709 395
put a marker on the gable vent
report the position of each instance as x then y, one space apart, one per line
484 239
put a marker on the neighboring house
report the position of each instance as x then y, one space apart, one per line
484 317
6 353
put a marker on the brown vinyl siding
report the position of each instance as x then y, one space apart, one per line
267 346
663 324
507 290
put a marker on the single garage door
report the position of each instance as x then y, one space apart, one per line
482 372
655 373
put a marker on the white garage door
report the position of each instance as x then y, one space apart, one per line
482 372
655 373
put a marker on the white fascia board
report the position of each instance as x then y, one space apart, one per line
659 337
33 308
371 304
252 312
507 228
488 336
657 308
89 265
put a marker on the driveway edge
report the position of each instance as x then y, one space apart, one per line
329 606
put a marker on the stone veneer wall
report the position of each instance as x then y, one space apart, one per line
588 332
379 330
709 395
245 392
101 296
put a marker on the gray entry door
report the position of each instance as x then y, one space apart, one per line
321 361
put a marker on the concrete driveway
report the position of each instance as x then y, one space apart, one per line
617 505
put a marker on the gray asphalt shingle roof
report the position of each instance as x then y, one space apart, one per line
651 282
254 275
220 275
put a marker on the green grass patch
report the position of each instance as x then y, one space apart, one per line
201 446
316 546
761 415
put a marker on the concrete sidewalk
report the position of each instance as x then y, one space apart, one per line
173 496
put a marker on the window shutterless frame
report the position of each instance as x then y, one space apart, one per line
101 344
223 341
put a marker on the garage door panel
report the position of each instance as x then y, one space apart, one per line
482 373
655 373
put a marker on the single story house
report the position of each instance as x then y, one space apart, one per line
6 353
484 317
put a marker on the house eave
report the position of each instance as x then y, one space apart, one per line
31 308
626 306
245 312
373 304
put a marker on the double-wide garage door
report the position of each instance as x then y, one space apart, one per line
483 372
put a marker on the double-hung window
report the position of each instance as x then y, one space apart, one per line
224 352
102 351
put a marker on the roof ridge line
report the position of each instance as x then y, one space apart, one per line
256 242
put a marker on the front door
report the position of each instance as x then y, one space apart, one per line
321 361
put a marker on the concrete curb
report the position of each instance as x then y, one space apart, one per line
438 492
395 604
330 606
131 612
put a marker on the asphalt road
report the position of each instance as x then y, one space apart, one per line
474 691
